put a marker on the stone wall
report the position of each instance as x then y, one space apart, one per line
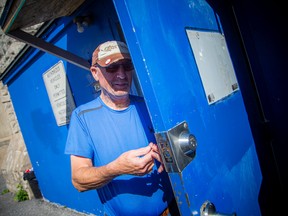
14 158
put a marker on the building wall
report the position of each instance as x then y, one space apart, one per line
14 158
80 81
44 139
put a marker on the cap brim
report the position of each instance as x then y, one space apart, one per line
105 62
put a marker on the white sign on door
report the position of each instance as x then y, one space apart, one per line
59 93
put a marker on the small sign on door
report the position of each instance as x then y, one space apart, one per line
214 64
59 93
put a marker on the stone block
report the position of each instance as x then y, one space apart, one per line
3 151
15 162
14 126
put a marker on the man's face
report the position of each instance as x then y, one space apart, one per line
115 79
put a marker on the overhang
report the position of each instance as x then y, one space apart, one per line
25 13
20 14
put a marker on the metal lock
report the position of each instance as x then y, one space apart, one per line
177 147
209 209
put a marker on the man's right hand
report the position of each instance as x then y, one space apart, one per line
136 162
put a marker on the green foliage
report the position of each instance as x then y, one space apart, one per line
21 194
5 191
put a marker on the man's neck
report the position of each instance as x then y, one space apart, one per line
115 102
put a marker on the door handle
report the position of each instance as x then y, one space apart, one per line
177 147
209 209
188 143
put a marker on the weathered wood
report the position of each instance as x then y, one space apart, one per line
31 12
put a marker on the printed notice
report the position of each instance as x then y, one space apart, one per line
59 93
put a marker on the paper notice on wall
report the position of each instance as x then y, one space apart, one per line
59 93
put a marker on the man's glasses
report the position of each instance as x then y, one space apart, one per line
127 66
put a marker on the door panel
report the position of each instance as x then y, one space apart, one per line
225 169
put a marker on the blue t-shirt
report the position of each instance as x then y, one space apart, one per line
103 134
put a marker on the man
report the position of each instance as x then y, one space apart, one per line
111 142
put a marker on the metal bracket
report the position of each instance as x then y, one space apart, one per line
177 147
49 48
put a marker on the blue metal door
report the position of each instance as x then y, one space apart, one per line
184 66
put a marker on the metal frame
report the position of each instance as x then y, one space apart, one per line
49 48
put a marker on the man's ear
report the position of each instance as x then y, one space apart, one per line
94 72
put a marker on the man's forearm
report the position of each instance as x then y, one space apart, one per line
87 178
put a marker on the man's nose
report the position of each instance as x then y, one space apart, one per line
121 72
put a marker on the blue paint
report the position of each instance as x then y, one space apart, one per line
226 168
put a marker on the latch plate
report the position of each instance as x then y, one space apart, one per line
177 147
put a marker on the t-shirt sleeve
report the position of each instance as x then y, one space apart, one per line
78 142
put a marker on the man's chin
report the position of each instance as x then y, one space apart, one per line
121 94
